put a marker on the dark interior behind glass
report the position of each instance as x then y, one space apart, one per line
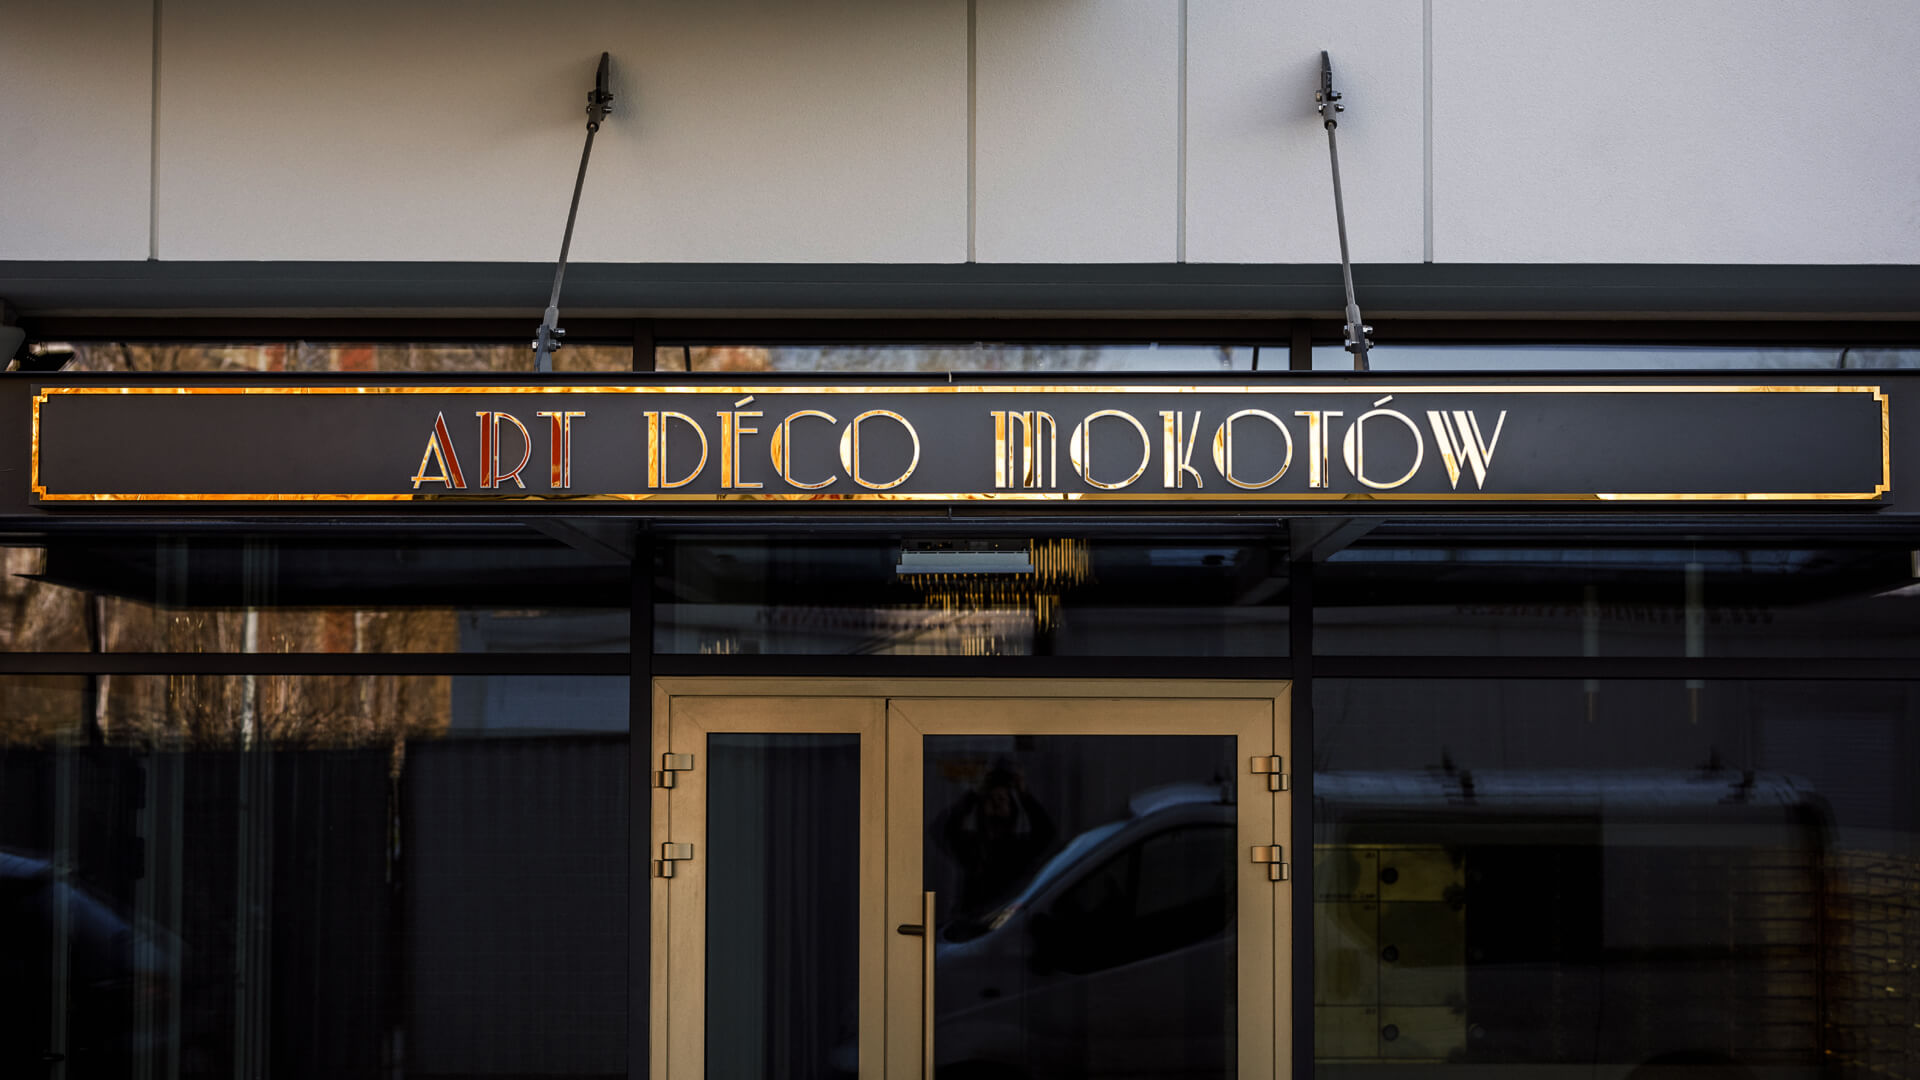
1197 595
1537 874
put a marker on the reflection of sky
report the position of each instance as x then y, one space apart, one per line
990 356
1388 357
994 357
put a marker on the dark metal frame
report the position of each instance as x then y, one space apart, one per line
1290 333
1297 336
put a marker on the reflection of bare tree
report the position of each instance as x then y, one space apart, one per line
277 710
39 709
209 710
205 711
942 358
137 626
307 356
34 615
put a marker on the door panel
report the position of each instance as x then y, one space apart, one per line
772 958
1085 902
783 902
1090 856
1098 912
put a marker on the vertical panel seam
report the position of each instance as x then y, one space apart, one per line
1180 185
153 145
973 142
1426 111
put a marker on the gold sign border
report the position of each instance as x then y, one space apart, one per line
1885 485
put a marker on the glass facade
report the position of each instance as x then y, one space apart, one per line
1597 794
348 590
313 875
1115 855
314 357
783 899
1622 358
1615 873
1063 596
980 356
1425 593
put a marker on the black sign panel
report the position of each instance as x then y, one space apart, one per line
939 442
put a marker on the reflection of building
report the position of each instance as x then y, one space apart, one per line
953 605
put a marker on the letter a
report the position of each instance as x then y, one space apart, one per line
440 449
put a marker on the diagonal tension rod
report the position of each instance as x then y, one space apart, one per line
549 336
1358 333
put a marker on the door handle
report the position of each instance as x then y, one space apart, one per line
927 935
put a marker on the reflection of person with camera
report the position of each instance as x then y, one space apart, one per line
998 834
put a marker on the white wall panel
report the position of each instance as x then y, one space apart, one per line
1738 131
449 130
1258 184
1077 130
76 107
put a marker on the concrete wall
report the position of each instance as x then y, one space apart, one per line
1584 131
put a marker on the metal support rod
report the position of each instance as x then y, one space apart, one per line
1358 333
550 337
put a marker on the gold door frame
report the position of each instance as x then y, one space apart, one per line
686 709
678 912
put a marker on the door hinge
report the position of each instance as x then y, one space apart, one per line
670 764
1274 858
1273 768
670 854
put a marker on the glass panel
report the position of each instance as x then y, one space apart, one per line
1212 596
324 592
783 899
976 357
1715 877
1427 596
1390 357
1085 904
301 357
313 877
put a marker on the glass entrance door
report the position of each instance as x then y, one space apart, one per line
949 880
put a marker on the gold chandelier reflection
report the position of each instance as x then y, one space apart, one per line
1054 566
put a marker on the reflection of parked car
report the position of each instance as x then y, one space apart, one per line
1116 959
111 969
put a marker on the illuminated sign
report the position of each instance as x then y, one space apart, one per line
825 442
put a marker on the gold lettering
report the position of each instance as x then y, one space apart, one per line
1176 444
850 449
999 448
1353 449
1459 439
653 448
781 448
1223 449
1036 427
440 449
657 472
1318 426
1080 449
560 447
732 465
490 474
489 459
